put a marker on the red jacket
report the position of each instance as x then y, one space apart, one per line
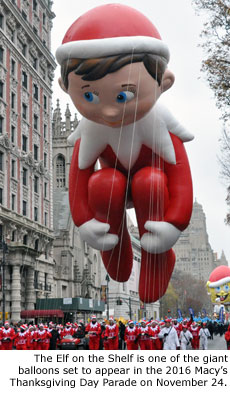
111 331
131 334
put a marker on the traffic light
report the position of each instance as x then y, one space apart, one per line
119 302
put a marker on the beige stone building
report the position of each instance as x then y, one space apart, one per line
26 207
194 254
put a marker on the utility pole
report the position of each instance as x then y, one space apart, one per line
107 294
130 309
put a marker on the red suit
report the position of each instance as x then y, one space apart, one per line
195 330
178 328
111 332
67 331
155 341
144 338
20 341
131 338
31 340
6 337
159 191
94 335
227 337
43 339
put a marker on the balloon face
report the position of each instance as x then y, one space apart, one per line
119 98
222 292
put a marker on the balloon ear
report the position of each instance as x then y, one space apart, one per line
61 83
167 80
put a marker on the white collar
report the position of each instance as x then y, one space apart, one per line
152 131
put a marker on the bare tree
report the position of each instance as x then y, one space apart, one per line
216 46
216 67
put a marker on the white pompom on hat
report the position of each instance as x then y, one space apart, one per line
111 29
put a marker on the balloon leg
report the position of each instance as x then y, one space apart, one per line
150 197
107 200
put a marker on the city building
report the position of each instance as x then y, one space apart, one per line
26 205
77 269
194 254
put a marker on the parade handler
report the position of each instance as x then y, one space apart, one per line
114 67
93 330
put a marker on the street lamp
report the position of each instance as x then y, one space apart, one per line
107 294
4 248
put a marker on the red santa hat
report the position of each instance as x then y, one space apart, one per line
6 323
68 324
93 317
130 322
111 29
219 276
24 327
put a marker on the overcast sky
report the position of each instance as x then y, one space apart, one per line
190 99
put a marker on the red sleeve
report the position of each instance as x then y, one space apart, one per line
180 188
78 189
99 329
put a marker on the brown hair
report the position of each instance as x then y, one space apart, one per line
96 68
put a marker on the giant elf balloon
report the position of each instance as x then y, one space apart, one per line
114 68
218 285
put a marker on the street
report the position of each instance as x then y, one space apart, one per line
218 343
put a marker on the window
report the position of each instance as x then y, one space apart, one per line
13 97
13 236
36 180
24 207
25 240
44 19
24 111
45 159
12 134
36 244
1 160
13 202
35 30
35 152
1 54
24 176
35 214
24 79
13 168
2 19
24 143
46 219
45 102
13 66
1 196
60 171
45 189
24 15
1 124
35 4
35 122
1 89
35 63
45 132
35 92
24 49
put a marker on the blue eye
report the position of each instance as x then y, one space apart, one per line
226 288
91 97
126 96
217 289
